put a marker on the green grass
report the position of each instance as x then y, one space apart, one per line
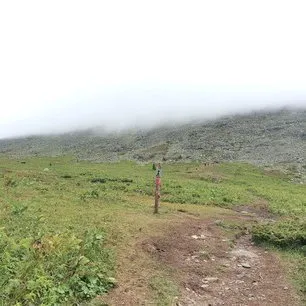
61 227
165 290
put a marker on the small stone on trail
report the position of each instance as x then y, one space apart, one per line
255 283
286 288
211 279
244 212
198 237
243 253
246 265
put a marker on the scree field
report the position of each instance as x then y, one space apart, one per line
80 233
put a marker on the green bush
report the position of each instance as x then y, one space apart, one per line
92 194
53 270
286 233
9 182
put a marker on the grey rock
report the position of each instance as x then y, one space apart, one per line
240 253
211 279
246 265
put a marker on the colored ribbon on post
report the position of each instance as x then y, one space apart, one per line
157 189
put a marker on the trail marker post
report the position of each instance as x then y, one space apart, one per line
157 188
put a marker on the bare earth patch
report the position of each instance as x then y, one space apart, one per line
211 270
209 266
258 209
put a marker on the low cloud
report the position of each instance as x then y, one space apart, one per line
116 111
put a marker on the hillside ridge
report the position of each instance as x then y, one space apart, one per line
259 138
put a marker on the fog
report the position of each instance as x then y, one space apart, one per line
121 64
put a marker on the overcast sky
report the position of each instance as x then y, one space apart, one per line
74 64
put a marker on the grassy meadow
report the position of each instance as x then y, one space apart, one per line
66 225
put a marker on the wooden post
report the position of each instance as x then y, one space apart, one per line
157 189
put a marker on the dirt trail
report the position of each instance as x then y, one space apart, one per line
209 268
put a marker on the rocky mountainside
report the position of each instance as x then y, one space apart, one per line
261 138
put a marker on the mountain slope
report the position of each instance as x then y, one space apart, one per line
264 138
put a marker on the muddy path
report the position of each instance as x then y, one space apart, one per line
210 266
213 270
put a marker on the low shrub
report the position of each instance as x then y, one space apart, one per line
289 233
54 270
9 182
92 194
